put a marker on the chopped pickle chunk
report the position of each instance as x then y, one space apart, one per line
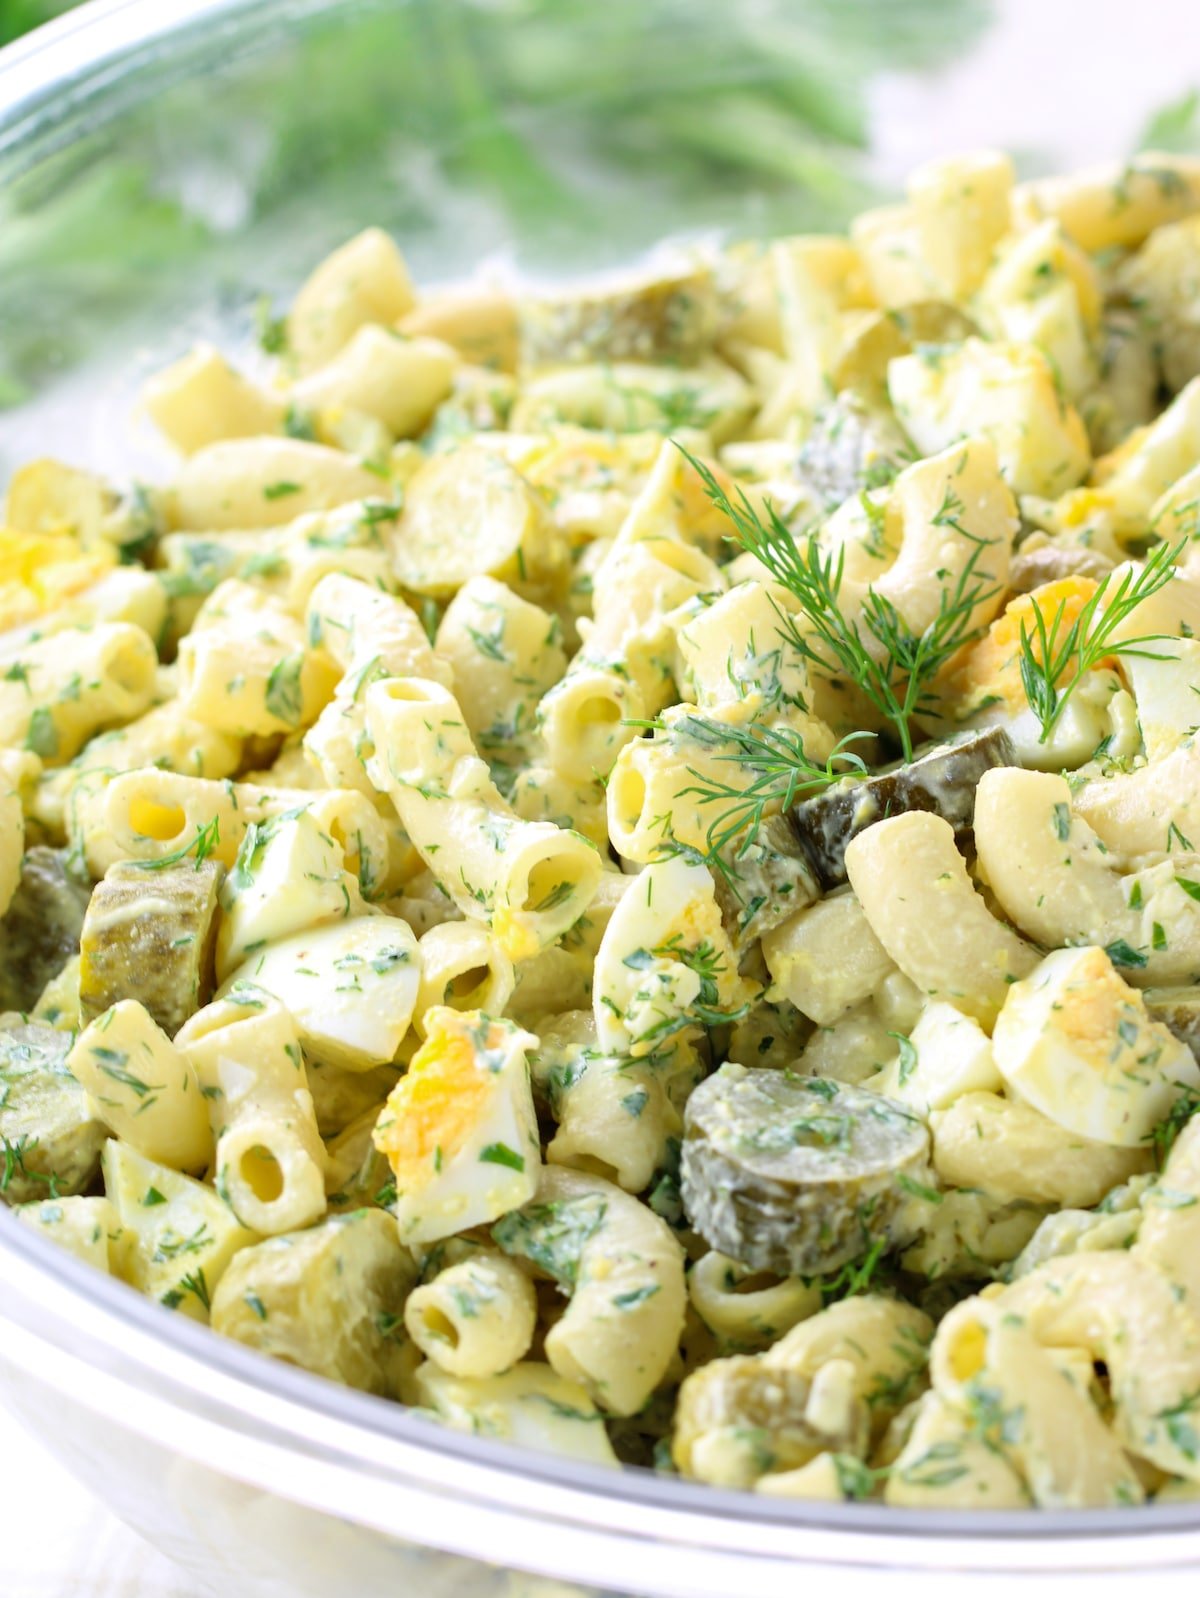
797 1175
150 935
942 781
50 1139
40 930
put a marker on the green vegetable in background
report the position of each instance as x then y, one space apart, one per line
21 16
502 124
1174 126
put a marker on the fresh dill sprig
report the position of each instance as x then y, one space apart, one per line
898 683
854 1278
1077 648
202 845
779 773
1164 1134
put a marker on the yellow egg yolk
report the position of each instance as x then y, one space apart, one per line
38 573
992 666
434 1107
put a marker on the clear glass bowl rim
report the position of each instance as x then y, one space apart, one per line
50 81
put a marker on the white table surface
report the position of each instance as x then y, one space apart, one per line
56 1541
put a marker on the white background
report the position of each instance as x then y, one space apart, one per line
57 1542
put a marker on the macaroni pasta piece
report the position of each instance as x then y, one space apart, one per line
621 864
269 1158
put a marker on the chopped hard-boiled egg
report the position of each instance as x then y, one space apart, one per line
948 1054
1165 682
1076 1042
665 962
351 988
1003 391
39 573
986 681
290 874
459 1129
530 1405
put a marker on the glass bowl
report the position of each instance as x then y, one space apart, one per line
166 169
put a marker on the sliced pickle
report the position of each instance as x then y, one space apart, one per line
672 317
943 780
762 887
1035 564
40 931
796 1175
150 935
1179 1011
50 1141
737 1418
852 446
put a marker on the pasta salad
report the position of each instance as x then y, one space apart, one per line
615 864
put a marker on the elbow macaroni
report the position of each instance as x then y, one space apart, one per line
526 754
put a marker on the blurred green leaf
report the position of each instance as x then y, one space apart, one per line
517 125
1175 126
22 16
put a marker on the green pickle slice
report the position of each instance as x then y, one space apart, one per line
40 931
50 1138
1179 1011
943 780
796 1175
151 935
764 883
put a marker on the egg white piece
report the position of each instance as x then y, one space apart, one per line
290 873
351 988
530 1405
951 1055
663 951
459 1129
1076 1042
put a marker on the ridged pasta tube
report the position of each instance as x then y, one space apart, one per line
401 381
614 1119
1012 1151
745 1310
270 1163
66 688
246 668
365 280
985 1363
624 1271
371 636
1061 885
476 1317
528 880
149 814
945 1465
624 669
1122 1310
1152 811
202 399
262 482
462 966
164 737
504 653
